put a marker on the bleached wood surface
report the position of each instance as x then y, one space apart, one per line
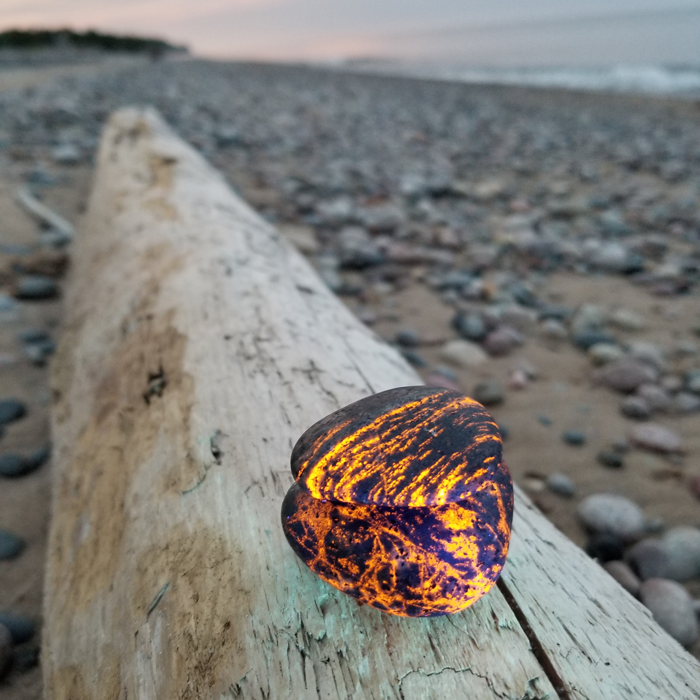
198 347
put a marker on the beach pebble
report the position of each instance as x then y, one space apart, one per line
622 573
602 353
11 410
5 649
407 338
413 357
553 329
33 335
607 513
501 341
518 380
672 608
610 458
437 379
625 375
463 353
649 354
587 317
11 546
21 628
13 465
573 437
523 320
649 559
488 393
66 154
684 402
635 407
656 397
692 380
682 547
35 287
38 353
586 339
561 484
654 437
470 326
626 320
605 547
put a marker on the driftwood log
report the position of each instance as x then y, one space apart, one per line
198 347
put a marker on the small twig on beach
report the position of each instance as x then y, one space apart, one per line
40 211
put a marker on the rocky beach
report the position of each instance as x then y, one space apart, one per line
537 249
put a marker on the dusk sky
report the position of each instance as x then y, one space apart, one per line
497 32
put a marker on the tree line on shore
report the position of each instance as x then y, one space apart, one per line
91 39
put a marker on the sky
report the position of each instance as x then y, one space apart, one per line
494 32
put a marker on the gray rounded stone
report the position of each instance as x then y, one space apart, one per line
656 397
561 484
574 437
488 393
635 407
682 547
625 375
11 546
672 608
684 402
21 628
610 458
501 341
11 410
463 353
35 287
649 559
612 514
655 437
603 353
13 465
622 573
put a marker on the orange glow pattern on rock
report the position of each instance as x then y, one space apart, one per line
431 548
411 447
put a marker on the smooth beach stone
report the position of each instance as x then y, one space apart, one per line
672 608
649 559
625 375
411 446
561 484
415 562
489 392
13 465
11 546
607 513
11 410
35 287
682 547
402 501
657 438
573 437
21 628
610 458
622 573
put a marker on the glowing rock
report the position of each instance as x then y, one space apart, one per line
402 501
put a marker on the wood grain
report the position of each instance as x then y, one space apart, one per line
198 347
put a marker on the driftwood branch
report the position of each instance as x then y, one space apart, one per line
43 214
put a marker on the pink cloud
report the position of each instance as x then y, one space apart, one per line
107 13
